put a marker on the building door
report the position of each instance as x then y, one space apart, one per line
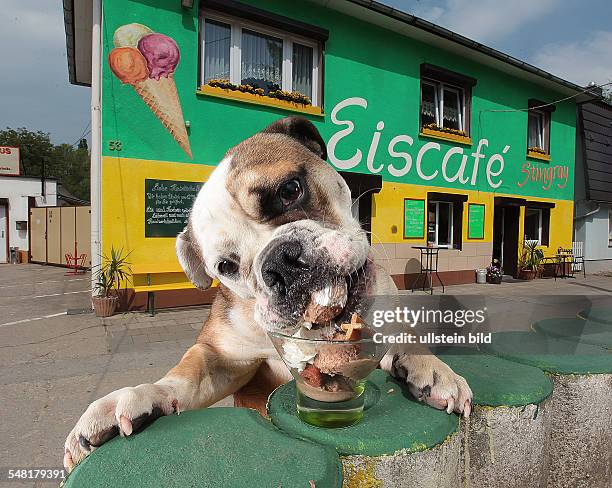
38 235
54 248
505 237
3 234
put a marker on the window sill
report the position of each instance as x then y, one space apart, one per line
537 155
214 91
445 136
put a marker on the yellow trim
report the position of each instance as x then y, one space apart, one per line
156 268
215 91
537 155
169 286
445 136
388 214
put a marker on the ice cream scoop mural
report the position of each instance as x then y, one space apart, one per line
146 60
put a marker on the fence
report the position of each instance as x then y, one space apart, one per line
57 231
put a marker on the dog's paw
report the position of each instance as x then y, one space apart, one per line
121 412
433 382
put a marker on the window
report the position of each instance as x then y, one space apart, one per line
537 225
217 36
538 131
442 105
440 223
246 53
533 224
445 100
610 227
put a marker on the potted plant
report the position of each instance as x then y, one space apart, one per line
113 270
530 260
494 272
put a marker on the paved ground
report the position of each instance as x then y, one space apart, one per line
54 363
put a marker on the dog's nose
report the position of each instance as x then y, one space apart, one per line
283 265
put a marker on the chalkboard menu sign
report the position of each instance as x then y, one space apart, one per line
167 206
476 221
414 219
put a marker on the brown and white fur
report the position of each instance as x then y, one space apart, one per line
273 224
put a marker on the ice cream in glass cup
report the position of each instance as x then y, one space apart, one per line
331 360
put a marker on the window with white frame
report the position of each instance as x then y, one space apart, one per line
538 130
440 223
533 225
245 53
443 105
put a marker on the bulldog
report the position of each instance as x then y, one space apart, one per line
273 224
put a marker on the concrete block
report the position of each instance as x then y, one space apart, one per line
598 314
436 467
210 448
587 331
580 407
505 439
400 443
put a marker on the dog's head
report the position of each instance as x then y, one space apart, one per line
273 223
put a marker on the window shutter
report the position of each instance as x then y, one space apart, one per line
545 226
458 225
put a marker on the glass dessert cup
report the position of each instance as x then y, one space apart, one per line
329 372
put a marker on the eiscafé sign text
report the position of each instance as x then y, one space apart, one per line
9 160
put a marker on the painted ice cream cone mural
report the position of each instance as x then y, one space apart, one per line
146 60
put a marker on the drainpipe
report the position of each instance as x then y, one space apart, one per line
588 214
96 137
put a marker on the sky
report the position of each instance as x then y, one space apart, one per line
569 38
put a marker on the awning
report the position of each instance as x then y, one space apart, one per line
510 202
535 204
360 183
446 197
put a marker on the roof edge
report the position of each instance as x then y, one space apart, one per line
449 35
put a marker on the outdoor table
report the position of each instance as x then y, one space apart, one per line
429 266
562 260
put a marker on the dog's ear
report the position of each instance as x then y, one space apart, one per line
191 260
302 130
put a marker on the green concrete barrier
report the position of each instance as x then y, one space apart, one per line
519 435
598 314
505 438
587 331
215 447
399 443
580 408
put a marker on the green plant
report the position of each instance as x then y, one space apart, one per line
114 270
531 256
494 270
448 130
274 92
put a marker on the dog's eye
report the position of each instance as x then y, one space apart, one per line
290 191
227 267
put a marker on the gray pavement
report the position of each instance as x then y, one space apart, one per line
53 364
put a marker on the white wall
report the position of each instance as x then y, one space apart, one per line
17 189
594 232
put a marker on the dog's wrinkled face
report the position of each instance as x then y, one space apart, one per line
273 223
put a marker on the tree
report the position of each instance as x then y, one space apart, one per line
68 164
35 147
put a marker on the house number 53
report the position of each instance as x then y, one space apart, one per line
114 145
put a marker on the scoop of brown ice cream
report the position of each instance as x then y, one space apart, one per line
330 358
326 304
